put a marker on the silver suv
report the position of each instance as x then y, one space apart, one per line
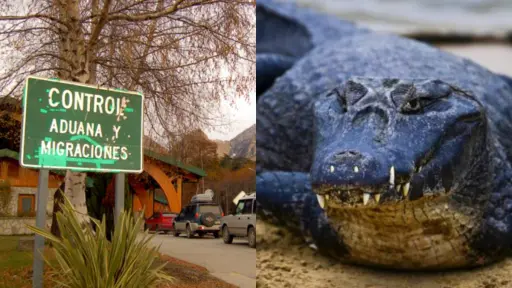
242 223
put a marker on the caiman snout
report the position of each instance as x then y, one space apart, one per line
347 156
348 163
355 177
350 168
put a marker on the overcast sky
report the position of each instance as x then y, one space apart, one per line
239 117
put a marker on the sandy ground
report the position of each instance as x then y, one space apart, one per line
283 260
495 57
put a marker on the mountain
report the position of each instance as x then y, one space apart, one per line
243 145
223 147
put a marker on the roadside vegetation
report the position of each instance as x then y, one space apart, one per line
85 257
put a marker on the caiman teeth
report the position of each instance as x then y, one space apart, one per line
321 200
332 169
399 187
392 176
377 197
406 187
366 197
356 169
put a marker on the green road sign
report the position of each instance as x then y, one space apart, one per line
68 125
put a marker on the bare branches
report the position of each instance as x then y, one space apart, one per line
146 16
99 25
33 16
186 56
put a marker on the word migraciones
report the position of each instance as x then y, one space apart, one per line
71 149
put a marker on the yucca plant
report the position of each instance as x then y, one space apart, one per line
86 259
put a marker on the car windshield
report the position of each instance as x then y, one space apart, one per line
209 208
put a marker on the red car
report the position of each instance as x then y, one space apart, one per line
160 222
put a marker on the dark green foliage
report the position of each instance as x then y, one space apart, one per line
234 163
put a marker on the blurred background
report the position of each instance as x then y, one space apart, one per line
480 30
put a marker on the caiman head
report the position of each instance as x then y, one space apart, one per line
400 169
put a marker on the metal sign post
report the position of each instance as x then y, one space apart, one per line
42 200
119 200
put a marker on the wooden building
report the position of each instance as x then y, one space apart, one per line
170 177
22 185
158 188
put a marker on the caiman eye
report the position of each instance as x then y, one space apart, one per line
415 105
412 106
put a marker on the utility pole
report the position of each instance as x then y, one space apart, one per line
229 193
202 167
42 195
119 196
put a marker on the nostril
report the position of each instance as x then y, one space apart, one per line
346 155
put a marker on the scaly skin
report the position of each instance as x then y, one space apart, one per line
381 150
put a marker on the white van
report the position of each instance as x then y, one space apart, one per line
242 223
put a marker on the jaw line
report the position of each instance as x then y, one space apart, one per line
370 196
373 191
423 161
329 202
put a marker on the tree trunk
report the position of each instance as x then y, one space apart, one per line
57 199
72 48
75 192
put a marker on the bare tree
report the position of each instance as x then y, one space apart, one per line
184 55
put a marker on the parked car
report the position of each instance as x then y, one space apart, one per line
160 222
242 223
201 217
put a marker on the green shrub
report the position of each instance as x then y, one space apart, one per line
86 259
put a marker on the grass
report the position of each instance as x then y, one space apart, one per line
16 266
10 257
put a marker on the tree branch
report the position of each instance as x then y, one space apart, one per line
93 40
146 16
33 16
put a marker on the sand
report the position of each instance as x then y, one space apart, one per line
283 260
493 56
